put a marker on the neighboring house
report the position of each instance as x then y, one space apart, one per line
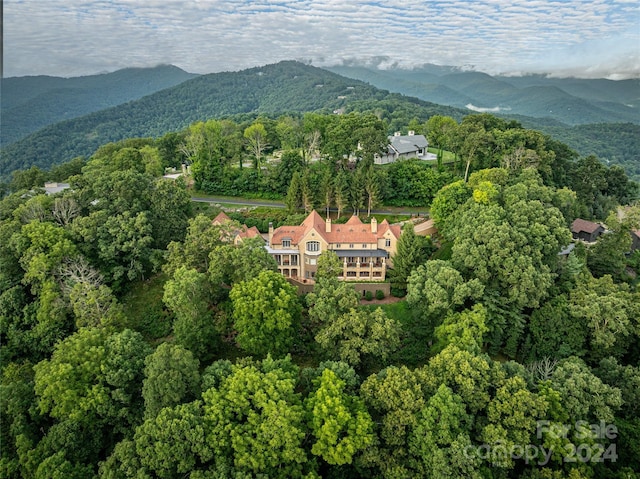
364 249
635 240
52 188
405 146
586 230
240 233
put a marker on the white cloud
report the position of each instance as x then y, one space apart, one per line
495 109
73 37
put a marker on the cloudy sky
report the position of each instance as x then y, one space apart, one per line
587 38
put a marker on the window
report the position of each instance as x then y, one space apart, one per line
286 243
313 246
351 245
364 246
387 242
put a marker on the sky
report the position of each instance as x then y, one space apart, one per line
583 38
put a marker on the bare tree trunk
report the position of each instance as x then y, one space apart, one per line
466 171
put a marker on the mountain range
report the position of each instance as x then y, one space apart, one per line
67 117
572 101
31 103
275 89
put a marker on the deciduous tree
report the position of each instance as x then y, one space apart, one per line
255 418
171 378
359 333
340 423
266 313
188 296
256 137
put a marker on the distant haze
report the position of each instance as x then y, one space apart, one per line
588 39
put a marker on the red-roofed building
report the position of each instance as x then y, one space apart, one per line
364 248
241 232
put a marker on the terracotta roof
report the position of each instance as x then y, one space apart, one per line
637 233
354 221
353 231
580 225
314 219
221 218
242 232
249 232
294 233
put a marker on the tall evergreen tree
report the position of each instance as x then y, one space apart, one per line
411 252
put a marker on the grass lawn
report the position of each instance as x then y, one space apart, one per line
447 156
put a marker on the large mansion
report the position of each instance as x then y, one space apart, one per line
364 249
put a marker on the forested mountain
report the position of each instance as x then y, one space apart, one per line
283 87
33 102
613 143
569 100
289 87
139 341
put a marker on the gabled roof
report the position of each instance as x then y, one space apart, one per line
396 230
243 232
249 232
584 226
221 218
408 143
353 231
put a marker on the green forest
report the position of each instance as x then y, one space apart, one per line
138 341
31 103
268 91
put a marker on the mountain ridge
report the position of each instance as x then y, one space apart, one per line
586 101
281 88
34 102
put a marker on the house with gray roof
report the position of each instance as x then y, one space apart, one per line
51 188
403 147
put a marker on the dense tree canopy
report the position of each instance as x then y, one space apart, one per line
267 311
126 314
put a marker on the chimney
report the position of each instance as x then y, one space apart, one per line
397 133
270 232
411 132
374 225
327 225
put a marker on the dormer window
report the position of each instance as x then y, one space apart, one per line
286 243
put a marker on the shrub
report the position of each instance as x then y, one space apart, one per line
398 293
379 294
368 295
